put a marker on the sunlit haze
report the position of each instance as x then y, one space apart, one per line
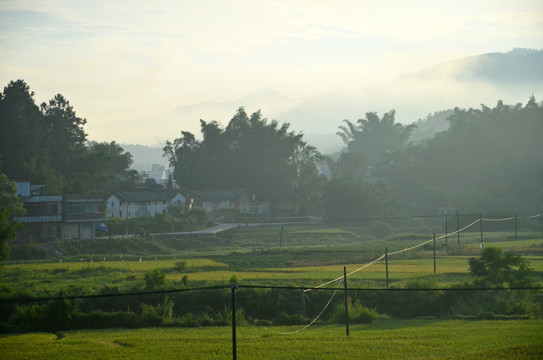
123 63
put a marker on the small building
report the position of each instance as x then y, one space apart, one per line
82 215
234 199
51 217
139 203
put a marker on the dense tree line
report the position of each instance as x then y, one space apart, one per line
48 145
261 156
489 160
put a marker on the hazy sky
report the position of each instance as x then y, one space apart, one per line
119 60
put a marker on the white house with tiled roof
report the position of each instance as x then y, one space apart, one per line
214 200
139 203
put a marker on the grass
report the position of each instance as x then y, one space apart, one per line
313 260
387 339
310 256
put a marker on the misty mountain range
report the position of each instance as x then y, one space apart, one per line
483 79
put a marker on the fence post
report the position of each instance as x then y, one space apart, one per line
234 345
434 253
457 227
280 238
446 228
346 302
303 301
386 266
516 226
481 226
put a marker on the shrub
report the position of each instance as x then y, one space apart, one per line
496 268
155 279
181 266
358 313
291 319
497 303
156 315
101 320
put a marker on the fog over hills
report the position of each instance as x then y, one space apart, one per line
464 83
483 79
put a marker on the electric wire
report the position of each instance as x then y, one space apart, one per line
498 220
312 321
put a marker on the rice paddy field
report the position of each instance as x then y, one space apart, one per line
307 256
307 261
390 339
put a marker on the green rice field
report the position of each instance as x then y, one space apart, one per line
386 339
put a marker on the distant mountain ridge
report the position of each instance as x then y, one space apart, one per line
468 82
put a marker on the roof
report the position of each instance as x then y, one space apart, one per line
146 195
79 197
218 195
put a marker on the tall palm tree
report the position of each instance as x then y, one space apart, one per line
374 136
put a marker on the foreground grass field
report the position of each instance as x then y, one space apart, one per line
387 339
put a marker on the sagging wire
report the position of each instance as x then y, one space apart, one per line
498 220
312 321
394 253
437 238
408 249
352 272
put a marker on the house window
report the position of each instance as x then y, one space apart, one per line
92 208
52 209
74 208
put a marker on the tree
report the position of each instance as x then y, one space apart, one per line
10 206
253 153
351 164
354 198
374 137
495 268
154 280
63 138
45 144
117 162
21 129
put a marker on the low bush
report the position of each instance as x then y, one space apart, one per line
358 313
291 319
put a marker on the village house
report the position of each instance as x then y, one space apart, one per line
234 199
58 217
140 203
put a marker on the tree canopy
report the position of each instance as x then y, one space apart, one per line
488 160
498 269
373 136
10 205
48 144
251 152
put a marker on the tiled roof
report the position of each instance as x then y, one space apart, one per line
146 195
75 197
218 195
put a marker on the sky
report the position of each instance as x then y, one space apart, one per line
117 61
